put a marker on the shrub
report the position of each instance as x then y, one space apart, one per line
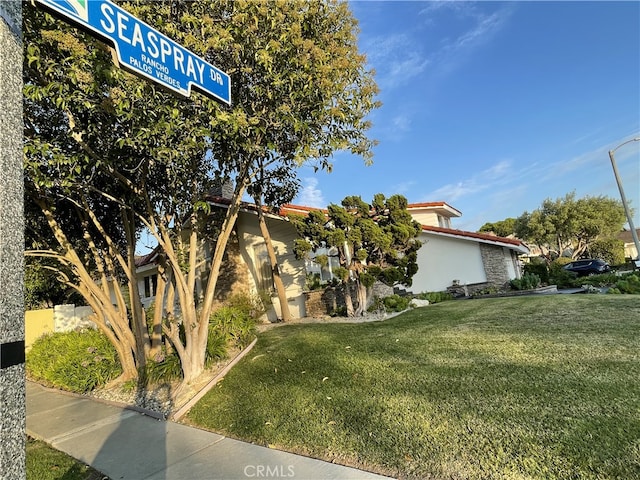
539 269
396 303
392 303
435 297
528 281
629 284
165 367
559 276
233 324
77 361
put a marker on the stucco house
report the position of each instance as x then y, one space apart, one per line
630 250
448 256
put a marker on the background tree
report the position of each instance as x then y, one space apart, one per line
107 154
502 228
610 250
374 242
570 226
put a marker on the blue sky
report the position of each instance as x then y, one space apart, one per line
494 106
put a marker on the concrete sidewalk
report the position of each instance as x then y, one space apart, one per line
124 444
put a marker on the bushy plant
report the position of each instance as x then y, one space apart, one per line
559 276
165 367
600 280
538 268
435 297
77 361
235 322
312 282
629 284
528 281
396 303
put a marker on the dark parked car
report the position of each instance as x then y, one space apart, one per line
588 267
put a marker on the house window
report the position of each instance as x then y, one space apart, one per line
444 222
324 272
150 284
264 274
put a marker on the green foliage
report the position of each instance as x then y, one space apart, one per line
559 276
629 284
392 303
611 250
76 361
104 148
528 281
234 322
502 228
377 240
341 273
570 224
166 367
538 268
435 297
43 290
312 282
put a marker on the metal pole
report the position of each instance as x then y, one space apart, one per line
634 234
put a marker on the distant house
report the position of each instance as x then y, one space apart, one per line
447 258
630 250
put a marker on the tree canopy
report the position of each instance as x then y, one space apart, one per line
376 241
107 153
569 226
502 228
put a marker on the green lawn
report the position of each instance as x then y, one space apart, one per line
536 387
46 463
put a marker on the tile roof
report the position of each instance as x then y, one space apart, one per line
290 208
626 236
477 236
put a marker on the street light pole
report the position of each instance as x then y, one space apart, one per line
634 234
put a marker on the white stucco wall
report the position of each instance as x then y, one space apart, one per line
292 270
444 259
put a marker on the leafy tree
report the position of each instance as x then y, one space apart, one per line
610 250
107 153
374 242
567 225
502 228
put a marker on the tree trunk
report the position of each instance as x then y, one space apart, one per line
348 301
362 299
273 260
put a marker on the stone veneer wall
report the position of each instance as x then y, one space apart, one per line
234 274
321 303
494 265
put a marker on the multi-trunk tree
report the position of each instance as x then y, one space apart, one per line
107 154
373 242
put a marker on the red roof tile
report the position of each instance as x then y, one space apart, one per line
479 236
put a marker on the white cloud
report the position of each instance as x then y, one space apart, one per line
395 59
481 181
482 28
311 196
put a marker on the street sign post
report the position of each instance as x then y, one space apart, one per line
144 50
